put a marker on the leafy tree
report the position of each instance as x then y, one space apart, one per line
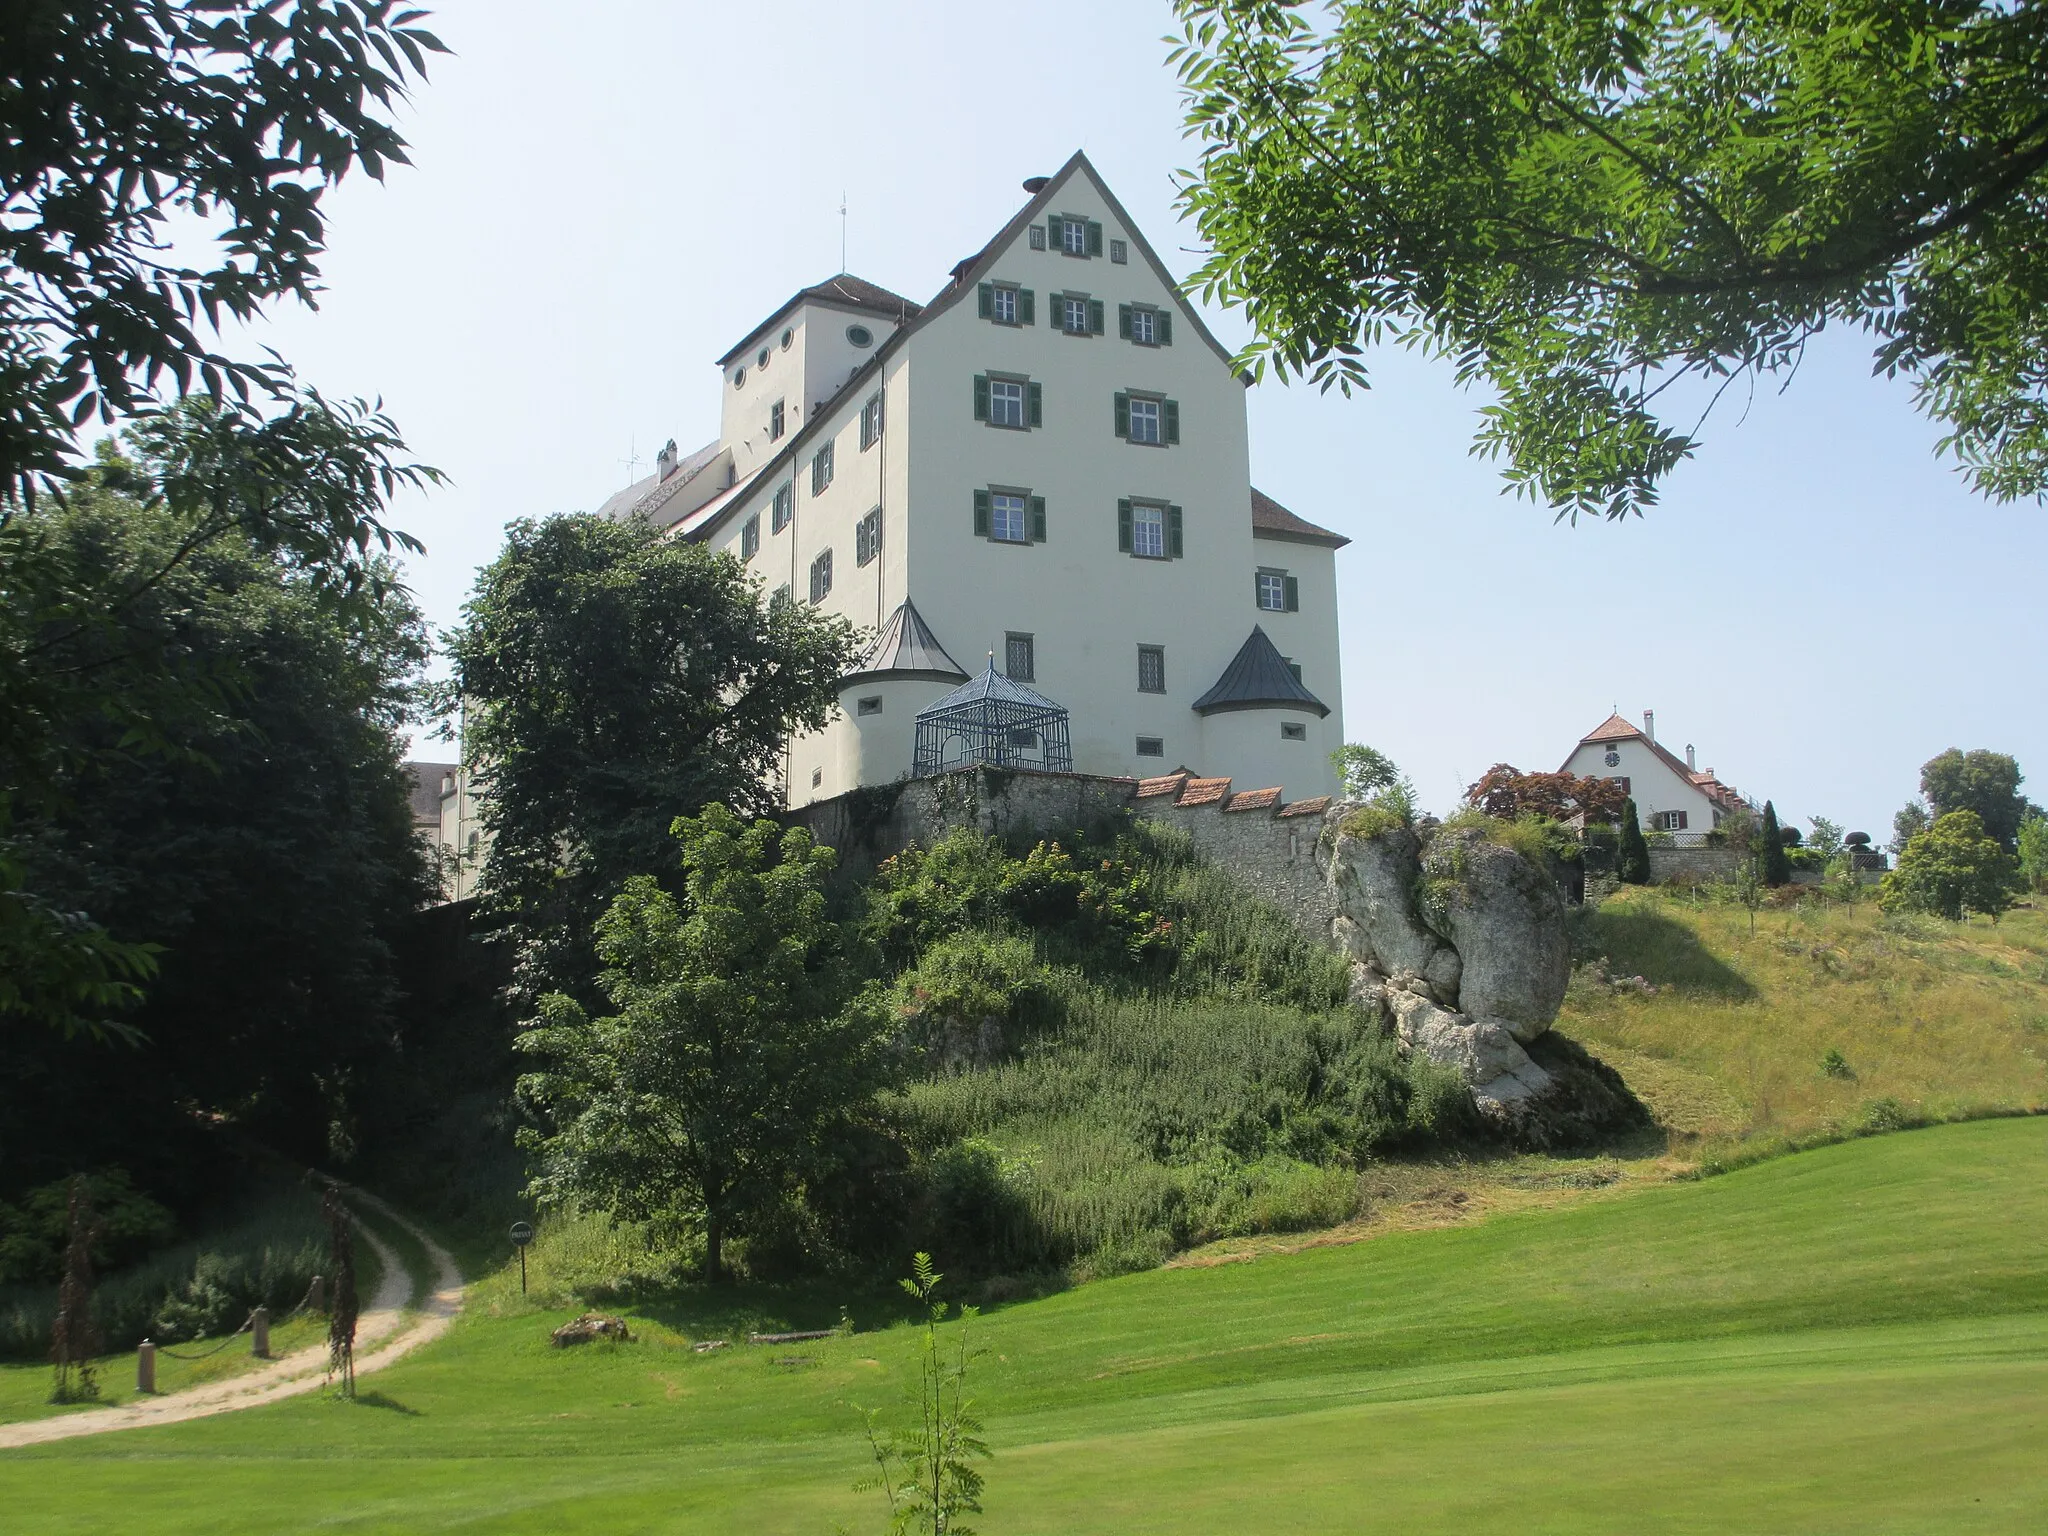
612 680
1632 864
1507 792
2033 852
1587 204
1952 868
738 1052
1985 782
1912 819
1772 863
1826 837
1366 771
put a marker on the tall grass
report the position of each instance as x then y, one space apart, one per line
265 1254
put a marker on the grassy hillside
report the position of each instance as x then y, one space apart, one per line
1941 1019
1852 1339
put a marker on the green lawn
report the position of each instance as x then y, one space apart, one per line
1852 1339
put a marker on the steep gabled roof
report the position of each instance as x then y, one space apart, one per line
1270 520
1615 728
907 650
844 292
1258 677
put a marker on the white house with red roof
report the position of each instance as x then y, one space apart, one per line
1671 794
1034 491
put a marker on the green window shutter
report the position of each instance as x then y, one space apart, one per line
1025 307
1094 238
1173 421
1038 519
981 397
981 514
1123 321
1173 545
1123 525
1162 327
1294 594
1052 231
1095 316
988 301
1123 415
1037 405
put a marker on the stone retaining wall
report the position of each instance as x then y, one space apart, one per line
1703 864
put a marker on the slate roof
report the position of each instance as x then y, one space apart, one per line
653 491
1270 520
991 688
1258 678
426 789
907 648
847 292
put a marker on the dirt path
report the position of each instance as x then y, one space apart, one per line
385 1331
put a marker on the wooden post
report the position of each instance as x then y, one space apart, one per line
316 1295
145 1367
259 1333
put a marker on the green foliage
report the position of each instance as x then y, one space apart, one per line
738 1053
156 135
1632 861
927 1473
1912 819
1772 863
1365 772
969 977
1985 782
2033 852
127 1225
1587 205
613 680
1951 869
1834 1064
1826 837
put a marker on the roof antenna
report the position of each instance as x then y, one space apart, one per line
632 459
842 229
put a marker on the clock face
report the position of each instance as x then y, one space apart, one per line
1614 759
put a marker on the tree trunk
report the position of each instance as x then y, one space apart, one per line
714 1245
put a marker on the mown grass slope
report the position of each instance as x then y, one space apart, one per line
1855 1338
1946 1019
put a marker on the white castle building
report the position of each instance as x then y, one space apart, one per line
1035 490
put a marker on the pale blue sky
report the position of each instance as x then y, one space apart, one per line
606 196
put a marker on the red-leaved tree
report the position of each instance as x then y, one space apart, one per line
1505 791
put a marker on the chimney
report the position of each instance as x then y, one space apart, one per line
1695 767
1650 724
665 461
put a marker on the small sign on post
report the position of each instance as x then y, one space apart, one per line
522 1234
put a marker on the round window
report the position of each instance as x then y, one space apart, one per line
739 378
787 338
761 358
860 336
1614 759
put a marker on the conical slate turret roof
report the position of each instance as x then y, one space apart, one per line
907 649
1258 677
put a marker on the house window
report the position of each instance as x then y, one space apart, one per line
739 378
775 422
1005 305
1073 237
761 358
1119 252
867 538
780 596
1006 517
1037 237
1006 402
1151 669
1145 327
870 706
750 537
817 777
821 577
871 421
860 336
787 337
1668 821
1621 779
778 517
1151 746
1293 731
1020 658
1078 314
1144 421
1277 591
1148 530
821 470
1147 419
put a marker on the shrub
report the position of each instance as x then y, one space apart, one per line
968 982
1633 863
1772 865
1951 868
1834 1064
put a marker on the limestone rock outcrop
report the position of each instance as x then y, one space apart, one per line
1460 943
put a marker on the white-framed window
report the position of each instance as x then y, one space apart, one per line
1020 657
1151 746
1007 522
1272 588
1145 421
1038 237
821 470
1151 669
871 421
1145 327
775 422
1668 821
780 596
1003 306
750 537
821 577
867 538
785 501
1119 252
1006 402
1074 237
1073 314
1150 530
